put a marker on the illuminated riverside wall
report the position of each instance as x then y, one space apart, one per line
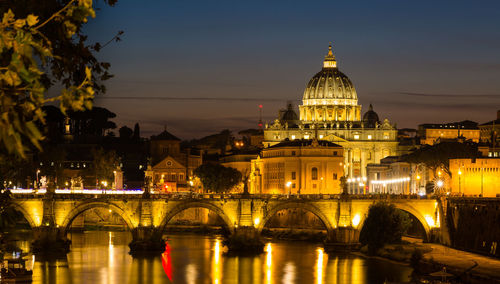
473 224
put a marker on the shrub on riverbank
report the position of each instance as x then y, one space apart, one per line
384 225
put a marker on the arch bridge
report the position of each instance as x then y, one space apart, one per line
51 215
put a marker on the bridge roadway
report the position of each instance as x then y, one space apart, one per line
50 214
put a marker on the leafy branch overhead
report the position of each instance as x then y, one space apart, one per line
37 52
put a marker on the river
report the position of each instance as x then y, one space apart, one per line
102 257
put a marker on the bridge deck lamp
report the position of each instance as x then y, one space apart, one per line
256 221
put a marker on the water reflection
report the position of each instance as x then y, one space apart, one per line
269 262
102 257
217 266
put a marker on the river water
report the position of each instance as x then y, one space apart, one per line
102 257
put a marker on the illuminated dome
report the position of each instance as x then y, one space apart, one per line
330 95
330 86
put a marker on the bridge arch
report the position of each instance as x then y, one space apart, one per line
26 214
75 212
196 204
296 205
410 210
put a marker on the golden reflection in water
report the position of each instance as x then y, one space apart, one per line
289 276
111 259
269 263
217 265
320 265
358 275
191 273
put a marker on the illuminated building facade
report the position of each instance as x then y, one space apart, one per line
172 168
330 112
390 176
298 166
431 134
475 177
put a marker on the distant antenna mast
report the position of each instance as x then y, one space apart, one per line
260 117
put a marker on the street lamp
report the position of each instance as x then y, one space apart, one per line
288 185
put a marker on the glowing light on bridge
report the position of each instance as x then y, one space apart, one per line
256 221
430 221
356 220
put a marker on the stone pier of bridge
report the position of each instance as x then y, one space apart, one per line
51 215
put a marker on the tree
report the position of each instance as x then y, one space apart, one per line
8 216
384 224
125 132
104 163
218 178
37 52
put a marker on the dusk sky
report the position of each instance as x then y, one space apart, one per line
213 62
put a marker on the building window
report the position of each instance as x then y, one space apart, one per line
335 153
181 177
306 136
356 136
334 176
314 173
294 176
293 185
314 185
293 153
369 137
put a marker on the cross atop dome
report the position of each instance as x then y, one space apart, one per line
330 61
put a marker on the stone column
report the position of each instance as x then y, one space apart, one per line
146 238
345 237
48 238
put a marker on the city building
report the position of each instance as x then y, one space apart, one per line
172 168
475 177
298 167
490 130
433 133
330 111
391 176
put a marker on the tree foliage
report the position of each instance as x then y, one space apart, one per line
8 215
384 224
438 156
41 45
217 178
104 163
126 132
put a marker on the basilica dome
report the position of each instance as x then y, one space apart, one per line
330 86
330 96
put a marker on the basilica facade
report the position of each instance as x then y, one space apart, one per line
330 111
